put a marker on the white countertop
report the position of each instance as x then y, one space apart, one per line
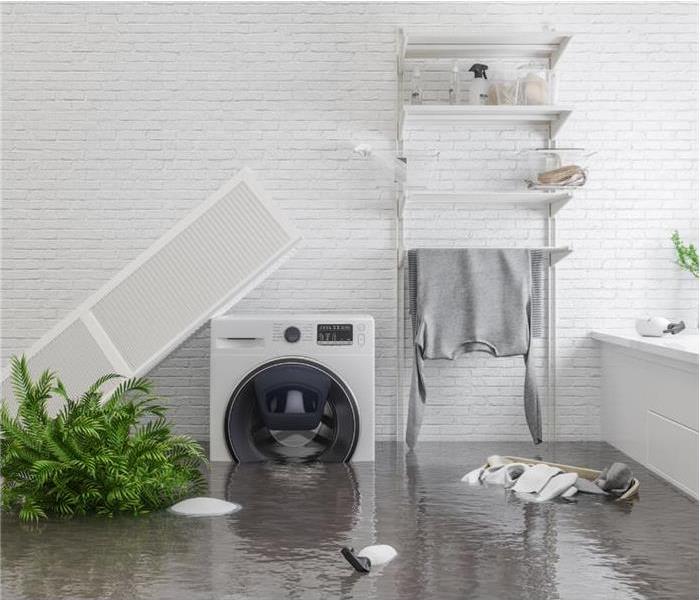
682 346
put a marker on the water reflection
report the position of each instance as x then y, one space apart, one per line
278 499
93 557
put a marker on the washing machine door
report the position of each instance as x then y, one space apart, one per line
291 410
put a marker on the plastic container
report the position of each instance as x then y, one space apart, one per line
454 94
467 85
503 87
543 160
536 85
479 89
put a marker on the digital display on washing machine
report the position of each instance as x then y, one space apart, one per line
334 334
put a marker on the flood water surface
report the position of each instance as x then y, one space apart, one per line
453 540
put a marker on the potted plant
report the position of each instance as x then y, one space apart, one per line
686 255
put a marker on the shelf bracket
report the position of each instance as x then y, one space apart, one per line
557 124
557 205
557 254
556 55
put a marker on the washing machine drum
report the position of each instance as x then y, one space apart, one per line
291 410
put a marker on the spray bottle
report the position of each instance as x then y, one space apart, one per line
479 92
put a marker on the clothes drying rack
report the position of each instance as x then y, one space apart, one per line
546 46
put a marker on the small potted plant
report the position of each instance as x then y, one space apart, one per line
686 255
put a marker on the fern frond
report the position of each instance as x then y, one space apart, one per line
31 511
95 387
20 378
135 384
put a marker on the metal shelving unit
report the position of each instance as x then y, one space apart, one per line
546 46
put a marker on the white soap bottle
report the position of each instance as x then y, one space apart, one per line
480 87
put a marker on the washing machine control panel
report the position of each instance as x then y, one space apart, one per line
334 334
308 334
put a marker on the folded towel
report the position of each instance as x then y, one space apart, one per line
470 300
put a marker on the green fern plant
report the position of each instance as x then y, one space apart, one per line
686 255
102 456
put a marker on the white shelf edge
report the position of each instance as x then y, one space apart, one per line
533 200
554 114
482 45
539 112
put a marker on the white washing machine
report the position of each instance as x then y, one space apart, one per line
292 388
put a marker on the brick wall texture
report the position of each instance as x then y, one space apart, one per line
118 119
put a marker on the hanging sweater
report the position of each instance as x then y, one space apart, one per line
470 300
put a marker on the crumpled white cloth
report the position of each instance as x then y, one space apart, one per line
505 475
556 486
534 479
533 483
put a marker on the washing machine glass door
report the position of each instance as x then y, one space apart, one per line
291 410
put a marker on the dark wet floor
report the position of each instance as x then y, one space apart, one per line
454 541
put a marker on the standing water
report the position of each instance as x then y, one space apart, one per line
453 540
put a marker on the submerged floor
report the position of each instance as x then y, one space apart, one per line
454 541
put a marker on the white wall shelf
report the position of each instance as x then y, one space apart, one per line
423 114
479 46
545 46
555 201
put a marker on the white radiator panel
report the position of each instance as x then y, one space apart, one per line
74 355
187 280
200 268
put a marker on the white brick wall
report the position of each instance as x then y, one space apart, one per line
119 118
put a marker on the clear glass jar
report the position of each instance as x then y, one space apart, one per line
537 85
544 160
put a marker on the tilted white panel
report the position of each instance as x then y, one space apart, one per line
73 355
181 285
201 267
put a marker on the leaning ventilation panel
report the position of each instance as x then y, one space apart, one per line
200 268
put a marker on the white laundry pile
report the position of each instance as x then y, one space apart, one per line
532 482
